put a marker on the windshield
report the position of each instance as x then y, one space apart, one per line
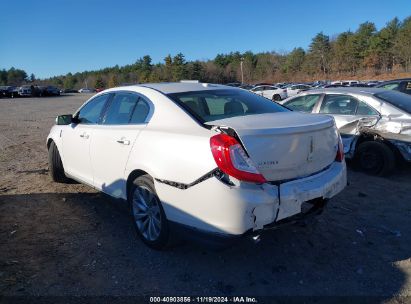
212 105
397 99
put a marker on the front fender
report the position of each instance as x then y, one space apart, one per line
55 135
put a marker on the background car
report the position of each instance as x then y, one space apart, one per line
296 89
247 87
234 84
270 92
401 85
86 90
12 92
345 83
70 91
3 90
25 91
360 85
51 91
375 124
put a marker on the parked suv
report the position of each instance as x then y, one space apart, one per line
52 91
25 91
214 161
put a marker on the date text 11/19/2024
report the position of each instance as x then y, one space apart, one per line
203 299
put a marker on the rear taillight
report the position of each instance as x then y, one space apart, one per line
232 159
340 151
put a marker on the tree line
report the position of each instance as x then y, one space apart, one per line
15 77
365 52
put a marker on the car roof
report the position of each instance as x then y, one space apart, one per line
346 90
395 80
265 85
178 87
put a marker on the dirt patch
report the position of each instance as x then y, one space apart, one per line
66 239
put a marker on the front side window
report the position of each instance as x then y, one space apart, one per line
339 105
126 108
91 111
212 105
303 103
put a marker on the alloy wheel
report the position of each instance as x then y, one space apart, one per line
146 212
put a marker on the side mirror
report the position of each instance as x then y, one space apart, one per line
64 119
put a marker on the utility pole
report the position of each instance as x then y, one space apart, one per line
242 73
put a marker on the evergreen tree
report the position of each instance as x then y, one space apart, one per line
320 51
113 81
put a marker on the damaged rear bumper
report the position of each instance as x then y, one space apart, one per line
212 210
221 240
296 196
323 185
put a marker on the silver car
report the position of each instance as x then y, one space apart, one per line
375 124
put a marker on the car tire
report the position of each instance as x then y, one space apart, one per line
276 97
148 215
375 158
56 168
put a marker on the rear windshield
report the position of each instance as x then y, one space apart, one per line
212 105
400 100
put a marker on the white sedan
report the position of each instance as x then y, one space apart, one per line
216 161
270 92
297 89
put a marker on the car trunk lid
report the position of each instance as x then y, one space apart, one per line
285 145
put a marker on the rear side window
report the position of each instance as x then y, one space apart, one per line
339 105
212 105
303 103
399 100
364 109
140 112
126 108
91 111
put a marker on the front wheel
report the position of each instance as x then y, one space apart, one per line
375 158
149 218
56 168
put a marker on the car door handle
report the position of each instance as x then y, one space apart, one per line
84 135
123 141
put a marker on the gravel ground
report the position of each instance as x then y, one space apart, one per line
58 239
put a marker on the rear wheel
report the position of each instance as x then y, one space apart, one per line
148 215
276 97
375 158
56 168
